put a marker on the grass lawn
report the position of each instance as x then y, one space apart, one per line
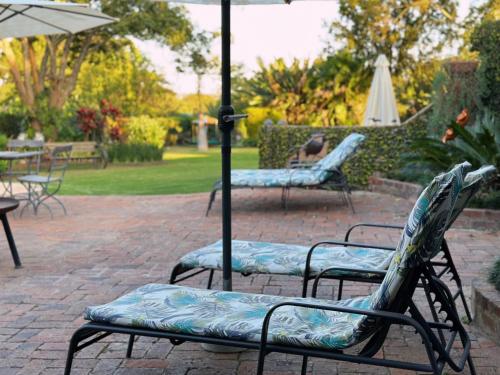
184 170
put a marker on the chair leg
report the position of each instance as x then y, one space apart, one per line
79 335
10 240
130 345
60 203
472 369
341 285
260 362
210 279
303 371
347 193
211 200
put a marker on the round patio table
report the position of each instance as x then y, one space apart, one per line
7 205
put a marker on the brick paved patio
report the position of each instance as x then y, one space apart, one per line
109 245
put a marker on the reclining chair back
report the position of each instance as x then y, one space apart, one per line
334 160
420 241
472 183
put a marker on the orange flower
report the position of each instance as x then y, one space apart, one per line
449 135
463 118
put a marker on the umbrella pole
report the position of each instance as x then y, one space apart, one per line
226 125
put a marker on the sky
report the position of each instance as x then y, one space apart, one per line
267 31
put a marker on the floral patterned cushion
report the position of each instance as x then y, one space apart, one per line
277 177
232 315
283 259
472 183
423 233
341 153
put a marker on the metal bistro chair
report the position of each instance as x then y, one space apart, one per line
20 145
39 186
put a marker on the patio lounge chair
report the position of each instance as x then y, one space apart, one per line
324 174
304 326
362 263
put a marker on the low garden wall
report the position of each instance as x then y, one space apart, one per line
378 153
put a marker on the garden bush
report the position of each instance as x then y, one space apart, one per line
11 124
494 276
485 40
134 152
380 152
144 129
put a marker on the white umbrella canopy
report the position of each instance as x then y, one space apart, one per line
381 108
25 18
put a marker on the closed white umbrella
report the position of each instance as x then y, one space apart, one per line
25 18
381 108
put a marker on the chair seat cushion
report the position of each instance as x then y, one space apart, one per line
282 259
277 177
234 315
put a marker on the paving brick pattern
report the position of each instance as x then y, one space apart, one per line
107 246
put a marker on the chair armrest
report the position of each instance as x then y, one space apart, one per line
392 317
372 225
339 243
380 273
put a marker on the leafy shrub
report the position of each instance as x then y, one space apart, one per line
11 124
455 87
379 152
134 152
3 146
478 144
485 39
494 276
144 129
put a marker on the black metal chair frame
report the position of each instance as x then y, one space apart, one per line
438 349
58 164
442 267
336 181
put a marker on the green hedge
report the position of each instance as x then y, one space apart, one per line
379 152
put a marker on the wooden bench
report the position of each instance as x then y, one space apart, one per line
84 152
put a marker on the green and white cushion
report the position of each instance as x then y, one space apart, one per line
313 176
239 316
231 315
282 259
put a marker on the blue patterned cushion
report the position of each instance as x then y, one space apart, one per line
283 259
423 233
341 153
240 315
277 177
232 315
316 175
472 183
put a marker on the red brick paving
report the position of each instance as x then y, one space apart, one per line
109 245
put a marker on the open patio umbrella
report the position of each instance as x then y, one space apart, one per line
381 108
227 119
25 18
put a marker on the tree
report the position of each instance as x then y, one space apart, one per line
45 69
406 31
195 57
126 79
328 91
